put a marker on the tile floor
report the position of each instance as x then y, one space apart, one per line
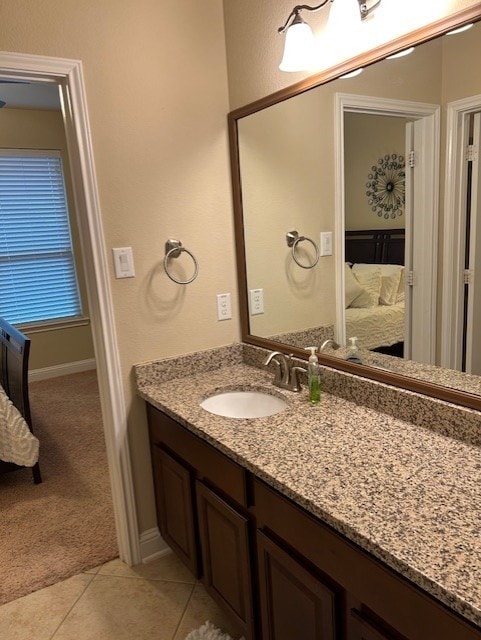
158 600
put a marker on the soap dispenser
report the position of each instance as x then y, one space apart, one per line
353 353
313 377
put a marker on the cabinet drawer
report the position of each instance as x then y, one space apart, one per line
210 465
403 606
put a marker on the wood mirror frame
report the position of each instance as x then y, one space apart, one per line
414 38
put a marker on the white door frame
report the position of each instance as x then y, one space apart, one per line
454 227
473 356
68 74
430 116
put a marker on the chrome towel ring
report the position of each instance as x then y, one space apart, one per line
173 249
293 239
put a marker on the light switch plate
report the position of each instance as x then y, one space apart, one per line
123 262
326 243
224 307
257 301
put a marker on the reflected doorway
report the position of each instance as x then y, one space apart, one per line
462 208
418 133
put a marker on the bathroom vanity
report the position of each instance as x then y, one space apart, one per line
332 521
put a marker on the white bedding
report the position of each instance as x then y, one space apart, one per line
17 442
374 327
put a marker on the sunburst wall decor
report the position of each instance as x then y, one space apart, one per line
386 187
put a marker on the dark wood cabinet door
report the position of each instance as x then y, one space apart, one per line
359 628
294 602
175 507
224 539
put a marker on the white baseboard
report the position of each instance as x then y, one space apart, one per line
61 370
152 545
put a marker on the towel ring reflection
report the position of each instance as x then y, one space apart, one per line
293 239
173 249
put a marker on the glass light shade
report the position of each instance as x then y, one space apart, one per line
298 48
351 74
460 30
400 54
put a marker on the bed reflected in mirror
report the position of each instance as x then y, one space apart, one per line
374 289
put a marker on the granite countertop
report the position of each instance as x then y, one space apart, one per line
407 494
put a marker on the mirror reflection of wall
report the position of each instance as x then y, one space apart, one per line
367 139
286 176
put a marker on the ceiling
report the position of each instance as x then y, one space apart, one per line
20 94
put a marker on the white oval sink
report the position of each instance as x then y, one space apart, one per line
244 404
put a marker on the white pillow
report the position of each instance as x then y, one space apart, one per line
392 281
402 283
369 277
391 277
352 288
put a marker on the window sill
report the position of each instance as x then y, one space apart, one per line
53 325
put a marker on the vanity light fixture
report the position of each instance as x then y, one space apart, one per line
299 43
400 54
352 74
465 27
365 10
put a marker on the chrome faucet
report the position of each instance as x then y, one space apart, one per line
286 374
329 343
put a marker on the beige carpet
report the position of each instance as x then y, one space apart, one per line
51 531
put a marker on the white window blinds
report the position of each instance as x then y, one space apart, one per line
38 281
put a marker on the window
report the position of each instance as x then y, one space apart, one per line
38 281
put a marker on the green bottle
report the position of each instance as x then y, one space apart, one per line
313 377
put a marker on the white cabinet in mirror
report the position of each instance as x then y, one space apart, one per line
387 160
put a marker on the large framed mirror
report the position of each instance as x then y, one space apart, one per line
357 214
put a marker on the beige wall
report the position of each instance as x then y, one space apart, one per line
286 175
157 99
366 139
35 129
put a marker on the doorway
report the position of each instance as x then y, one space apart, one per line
461 309
422 148
68 75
